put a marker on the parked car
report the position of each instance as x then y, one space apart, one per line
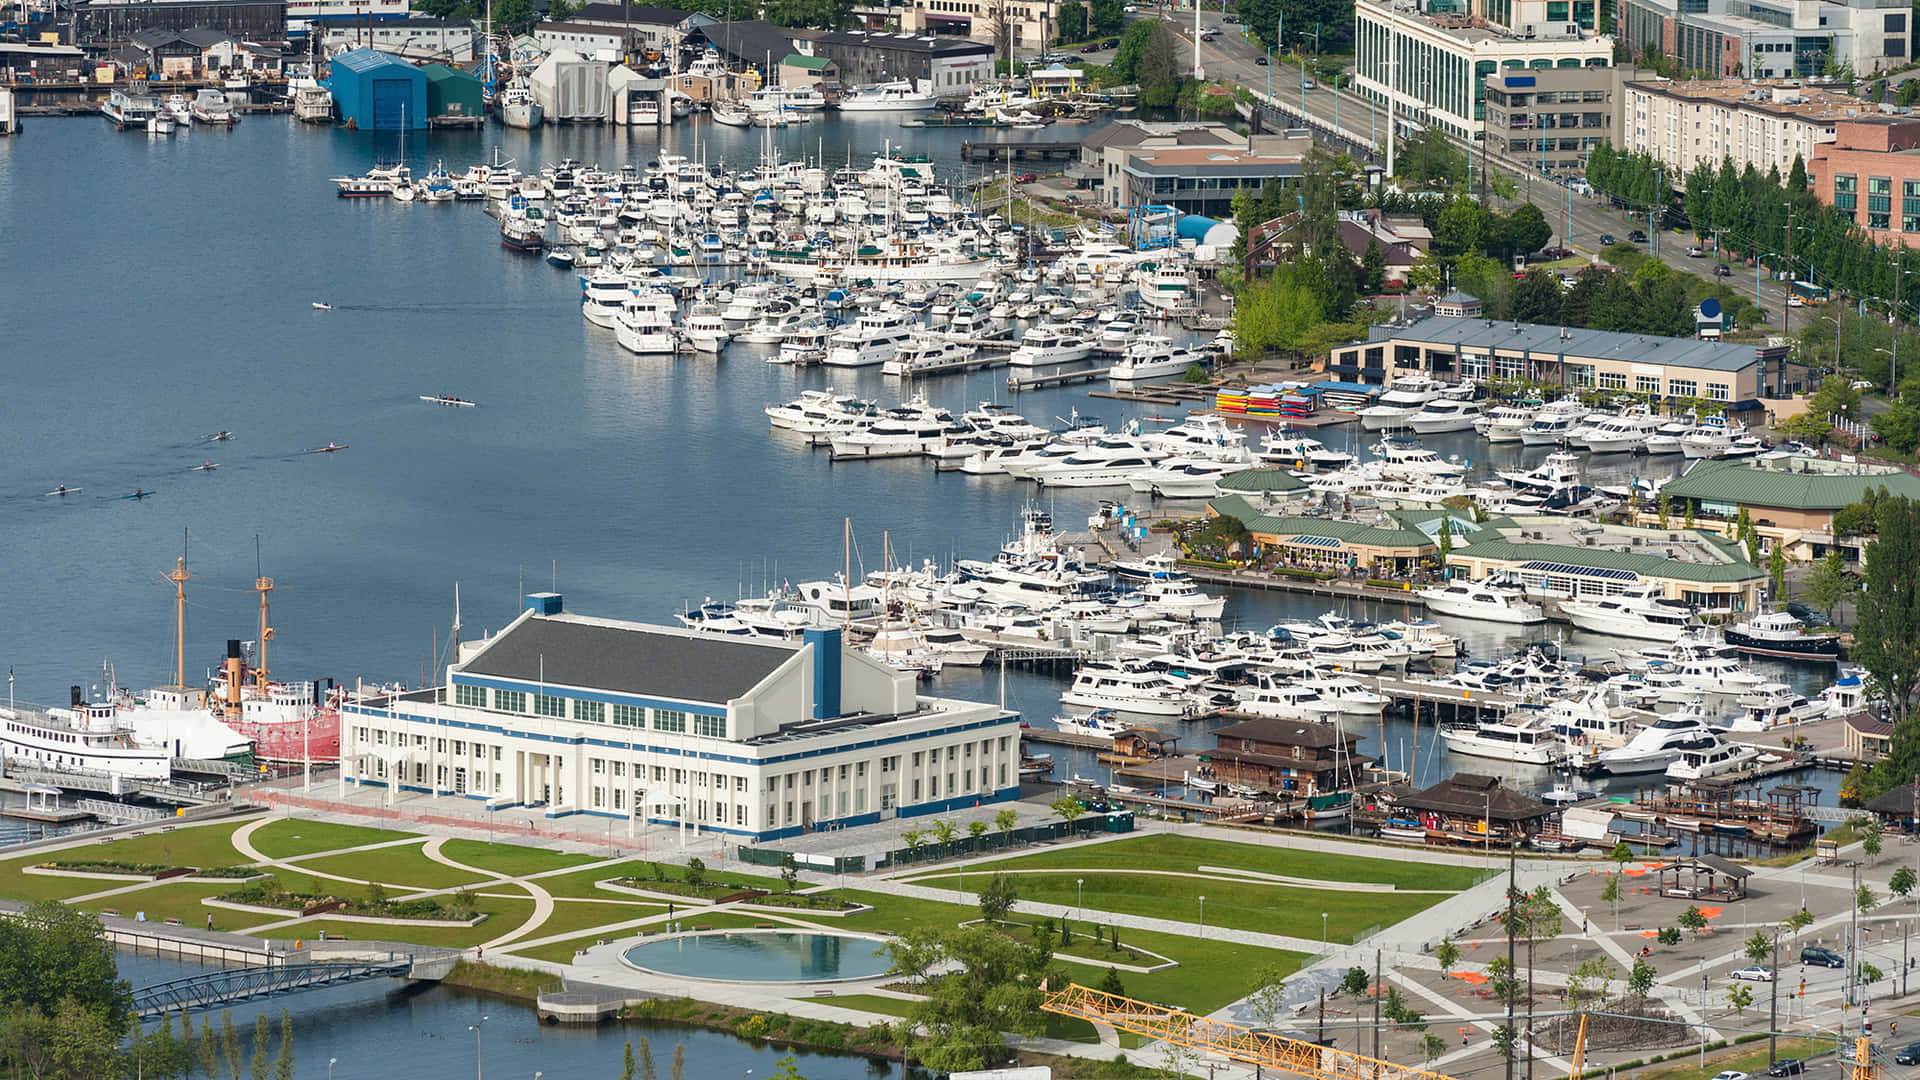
1723 270
1580 186
1636 236
1607 239
1908 1055
1860 384
1556 253
1095 47
1819 957
1753 973
1261 60
1206 37
1787 1067
1230 18
1732 1074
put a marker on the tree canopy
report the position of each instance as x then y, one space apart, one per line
993 986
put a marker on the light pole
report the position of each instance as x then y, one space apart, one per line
330 1063
478 1072
1203 918
1323 933
1079 905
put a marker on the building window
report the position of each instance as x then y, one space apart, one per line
669 720
710 727
1682 388
630 716
471 696
510 700
548 705
1845 189
1718 392
1647 384
593 712
1910 205
1579 374
1611 380
1879 202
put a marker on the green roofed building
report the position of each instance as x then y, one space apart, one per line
1385 543
1558 557
1790 500
1261 482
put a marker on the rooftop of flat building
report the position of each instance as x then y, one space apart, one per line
625 657
1576 345
1542 542
1473 29
1777 97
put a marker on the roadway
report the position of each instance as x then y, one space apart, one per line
1578 220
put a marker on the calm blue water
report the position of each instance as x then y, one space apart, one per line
770 957
158 289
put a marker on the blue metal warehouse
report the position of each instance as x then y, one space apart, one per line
378 92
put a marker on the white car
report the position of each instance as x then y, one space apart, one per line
1753 973
1732 1074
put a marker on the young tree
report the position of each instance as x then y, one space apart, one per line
945 831
1692 919
1640 980
647 1071
259 1065
696 872
1865 898
915 838
1501 980
1069 809
993 987
1446 954
230 1046
677 1068
1431 1047
1799 920
1005 821
997 898
283 1060
1759 947
1739 996
976 829
789 872
1269 1000
1355 982
1610 894
626 1061
1777 570
1110 984
1505 1041
1902 882
1870 839
1828 585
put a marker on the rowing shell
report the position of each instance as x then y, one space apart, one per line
65 491
136 494
208 467
459 402
327 449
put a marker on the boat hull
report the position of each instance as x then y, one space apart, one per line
1812 647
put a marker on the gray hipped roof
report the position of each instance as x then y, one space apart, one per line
1479 335
628 660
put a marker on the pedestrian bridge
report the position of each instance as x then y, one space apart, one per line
215 989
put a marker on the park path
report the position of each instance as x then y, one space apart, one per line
542 899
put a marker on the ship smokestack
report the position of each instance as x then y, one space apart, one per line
233 648
74 693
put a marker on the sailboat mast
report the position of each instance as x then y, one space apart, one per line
179 578
263 585
846 574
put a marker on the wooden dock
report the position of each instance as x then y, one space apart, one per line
1071 739
1016 383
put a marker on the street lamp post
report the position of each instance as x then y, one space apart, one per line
1203 918
330 1063
1323 933
1079 904
478 1072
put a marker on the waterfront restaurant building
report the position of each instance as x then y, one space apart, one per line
1564 558
1459 348
566 715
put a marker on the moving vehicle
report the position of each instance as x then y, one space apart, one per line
1818 957
1607 239
1636 236
1787 1067
1806 294
1908 1055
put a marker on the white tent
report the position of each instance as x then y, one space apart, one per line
571 89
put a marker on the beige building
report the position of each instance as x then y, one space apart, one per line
1550 118
1761 123
1030 23
1104 153
1460 348
1433 66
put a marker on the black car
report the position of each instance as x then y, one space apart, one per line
1261 60
1819 957
1607 239
1637 236
1787 1067
1909 1055
1723 270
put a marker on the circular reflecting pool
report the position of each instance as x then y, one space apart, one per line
763 956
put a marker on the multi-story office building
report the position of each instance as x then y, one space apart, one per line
1550 118
1763 124
1769 39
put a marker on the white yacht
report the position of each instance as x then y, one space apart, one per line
1771 705
645 325
811 404
1201 436
1278 696
1486 601
897 96
925 352
1524 740
177 107
1714 436
1099 465
1099 722
1714 757
911 430
1349 693
1185 477
1180 598
602 295
871 339
1639 611
1624 434
1406 397
775 99
1444 415
1301 451
1153 359
1547 429
1050 344
1406 457
705 329
1655 746
1145 693
1504 423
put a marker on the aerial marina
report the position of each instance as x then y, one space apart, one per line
893 532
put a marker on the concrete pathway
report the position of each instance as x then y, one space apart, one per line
542 899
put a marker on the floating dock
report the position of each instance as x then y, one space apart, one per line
1017 382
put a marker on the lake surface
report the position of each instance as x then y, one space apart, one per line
160 289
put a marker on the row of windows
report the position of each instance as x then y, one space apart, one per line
1583 375
590 712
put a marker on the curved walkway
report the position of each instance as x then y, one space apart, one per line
542 899
1207 873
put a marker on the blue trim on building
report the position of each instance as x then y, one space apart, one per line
941 806
704 708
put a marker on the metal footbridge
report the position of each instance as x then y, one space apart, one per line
218 988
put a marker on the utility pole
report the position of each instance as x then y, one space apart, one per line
1513 877
1322 1037
1376 1005
1773 1000
1786 309
1853 935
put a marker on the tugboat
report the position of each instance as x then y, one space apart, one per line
1778 633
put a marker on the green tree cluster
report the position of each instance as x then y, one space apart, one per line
989 984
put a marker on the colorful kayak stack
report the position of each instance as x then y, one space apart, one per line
1270 401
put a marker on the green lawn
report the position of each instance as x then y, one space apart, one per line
503 917
1070 1028
1749 1058
289 838
582 916
1274 909
580 882
396 867
200 845
1165 851
15 885
178 901
510 859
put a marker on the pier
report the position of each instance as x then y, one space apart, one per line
1017 383
1034 151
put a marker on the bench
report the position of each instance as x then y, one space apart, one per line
110 911
174 922
823 993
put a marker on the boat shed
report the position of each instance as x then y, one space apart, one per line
378 92
453 96
572 89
